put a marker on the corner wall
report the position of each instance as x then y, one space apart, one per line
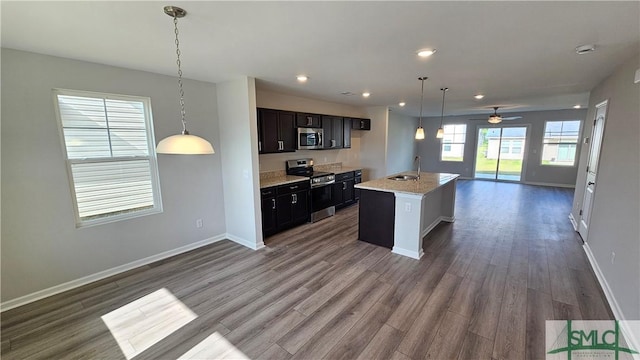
41 247
403 147
615 215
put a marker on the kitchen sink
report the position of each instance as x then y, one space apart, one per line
403 177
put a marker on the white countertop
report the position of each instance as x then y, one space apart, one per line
427 183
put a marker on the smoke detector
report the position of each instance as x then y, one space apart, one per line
585 49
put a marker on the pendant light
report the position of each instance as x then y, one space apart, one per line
183 143
420 130
440 133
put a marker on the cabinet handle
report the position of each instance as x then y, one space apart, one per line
333 143
309 121
344 186
293 187
294 198
259 145
274 204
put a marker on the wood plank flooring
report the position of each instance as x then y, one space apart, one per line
483 290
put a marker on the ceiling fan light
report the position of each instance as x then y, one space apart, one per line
420 133
494 119
440 133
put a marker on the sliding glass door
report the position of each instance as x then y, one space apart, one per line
500 153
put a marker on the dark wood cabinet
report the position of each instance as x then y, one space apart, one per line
346 134
308 120
269 225
343 190
284 206
361 124
333 132
276 131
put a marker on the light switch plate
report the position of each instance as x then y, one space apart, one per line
637 78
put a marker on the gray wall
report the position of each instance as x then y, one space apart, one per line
41 246
615 215
533 173
402 147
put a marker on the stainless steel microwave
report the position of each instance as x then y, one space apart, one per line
309 138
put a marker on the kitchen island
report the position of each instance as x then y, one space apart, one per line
398 213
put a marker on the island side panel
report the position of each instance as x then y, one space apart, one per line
376 217
449 201
408 223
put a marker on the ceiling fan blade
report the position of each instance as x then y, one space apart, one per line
511 118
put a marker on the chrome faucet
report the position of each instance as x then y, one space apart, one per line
418 160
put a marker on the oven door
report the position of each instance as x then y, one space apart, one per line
321 197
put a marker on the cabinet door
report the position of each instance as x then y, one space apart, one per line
338 194
287 130
327 129
284 210
346 127
349 192
268 123
308 120
269 216
300 206
338 132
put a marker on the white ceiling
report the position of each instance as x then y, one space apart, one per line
519 54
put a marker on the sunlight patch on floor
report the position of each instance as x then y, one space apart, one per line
142 323
215 346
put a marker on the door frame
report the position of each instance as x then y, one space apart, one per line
597 169
525 156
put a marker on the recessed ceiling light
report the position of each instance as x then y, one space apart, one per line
366 94
584 49
479 96
402 103
426 52
302 78
576 106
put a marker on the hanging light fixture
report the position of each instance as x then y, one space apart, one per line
183 143
420 130
440 133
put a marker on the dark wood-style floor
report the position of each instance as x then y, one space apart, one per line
483 290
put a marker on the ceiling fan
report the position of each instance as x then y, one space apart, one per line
496 118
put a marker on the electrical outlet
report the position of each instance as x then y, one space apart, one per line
407 207
613 257
199 223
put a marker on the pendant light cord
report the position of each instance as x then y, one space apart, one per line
421 100
444 91
184 122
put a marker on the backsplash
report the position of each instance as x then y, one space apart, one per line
330 167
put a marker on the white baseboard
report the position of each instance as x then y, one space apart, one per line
435 223
627 332
571 186
617 312
41 294
404 252
573 222
238 240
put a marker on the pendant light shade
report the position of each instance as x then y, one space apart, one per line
420 130
183 143
440 133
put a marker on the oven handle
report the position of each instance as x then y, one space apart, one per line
323 184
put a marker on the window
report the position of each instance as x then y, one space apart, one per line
452 148
110 152
560 142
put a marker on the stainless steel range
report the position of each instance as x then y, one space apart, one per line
322 199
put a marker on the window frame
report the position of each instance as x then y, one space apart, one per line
151 157
544 132
442 143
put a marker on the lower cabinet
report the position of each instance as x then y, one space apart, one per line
284 206
343 190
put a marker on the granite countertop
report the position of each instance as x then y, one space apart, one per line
280 180
427 183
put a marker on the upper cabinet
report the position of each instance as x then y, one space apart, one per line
361 124
333 132
308 120
276 131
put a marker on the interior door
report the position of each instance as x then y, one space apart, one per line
592 169
500 153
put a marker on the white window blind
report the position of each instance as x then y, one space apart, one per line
110 155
